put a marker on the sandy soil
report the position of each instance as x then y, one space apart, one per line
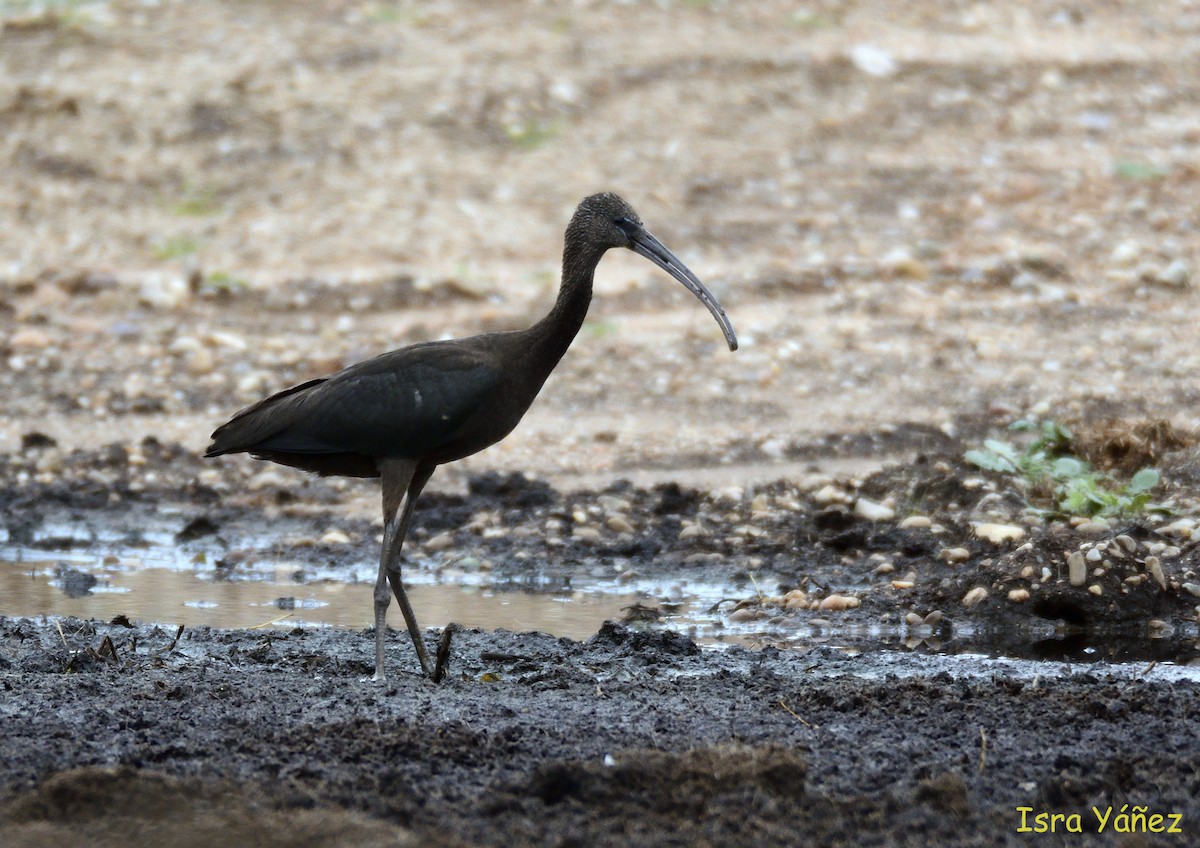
926 220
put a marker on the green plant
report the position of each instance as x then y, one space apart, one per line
601 329
1132 169
176 246
222 281
197 202
531 133
1049 474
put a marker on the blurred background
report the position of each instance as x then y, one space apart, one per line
913 212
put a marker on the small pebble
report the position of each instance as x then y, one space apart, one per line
1096 590
934 618
1092 528
745 614
690 531
885 568
813 482
1127 543
873 511
913 620
953 555
1126 253
1181 529
1076 568
902 584
829 494
200 362
795 599
873 61
839 602
1094 555
916 522
1177 274
997 533
760 505
30 338
974 596
1018 596
902 264
1154 567
774 448
619 524
439 542
1192 589
335 537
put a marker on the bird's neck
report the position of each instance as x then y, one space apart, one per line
552 336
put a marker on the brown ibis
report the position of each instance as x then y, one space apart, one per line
403 413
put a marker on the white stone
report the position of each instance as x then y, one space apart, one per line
830 494
974 596
1126 253
839 602
873 511
1076 568
1176 274
997 533
1154 567
873 61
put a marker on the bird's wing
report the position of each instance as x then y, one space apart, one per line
406 403
256 422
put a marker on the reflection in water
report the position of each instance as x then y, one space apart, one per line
182 597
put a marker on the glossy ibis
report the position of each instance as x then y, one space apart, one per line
402 414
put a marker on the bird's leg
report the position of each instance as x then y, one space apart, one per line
395 479
402 484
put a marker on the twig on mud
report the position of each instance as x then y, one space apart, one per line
442 663
106 651
796 715
982 750
269 623
174 641
1149 668
72 656
754 583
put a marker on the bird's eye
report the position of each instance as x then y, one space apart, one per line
626 224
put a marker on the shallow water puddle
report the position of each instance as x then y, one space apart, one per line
37 588
149 585
154 580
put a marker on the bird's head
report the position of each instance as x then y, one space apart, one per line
606 220
603 221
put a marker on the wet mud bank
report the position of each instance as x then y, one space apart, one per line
628 736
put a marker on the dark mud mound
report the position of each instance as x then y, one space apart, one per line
124 807
700 797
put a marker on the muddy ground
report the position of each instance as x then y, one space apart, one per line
925 220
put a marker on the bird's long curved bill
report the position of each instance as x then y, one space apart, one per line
647 245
